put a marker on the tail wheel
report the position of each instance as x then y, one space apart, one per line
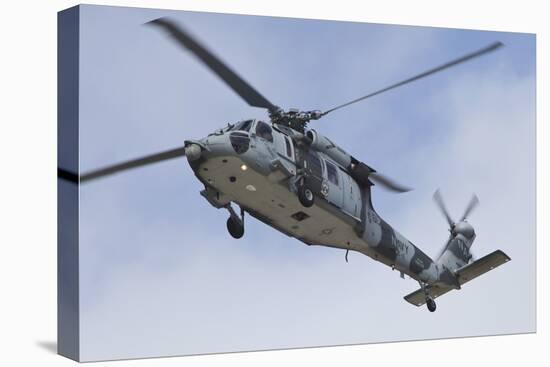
305 195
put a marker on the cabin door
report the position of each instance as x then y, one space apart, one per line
335 184
352 196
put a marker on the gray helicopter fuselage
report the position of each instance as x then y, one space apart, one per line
259 167
302 184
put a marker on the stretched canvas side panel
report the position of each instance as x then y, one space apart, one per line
67 191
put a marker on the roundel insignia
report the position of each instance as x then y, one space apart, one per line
324 188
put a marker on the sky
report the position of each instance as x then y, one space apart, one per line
159 275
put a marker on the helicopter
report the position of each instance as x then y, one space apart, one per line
297 181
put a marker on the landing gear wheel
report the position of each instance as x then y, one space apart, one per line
235 228
305 195
431 304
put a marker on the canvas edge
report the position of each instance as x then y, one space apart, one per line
68 308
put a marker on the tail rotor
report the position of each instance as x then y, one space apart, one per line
474 202
460 227
441 205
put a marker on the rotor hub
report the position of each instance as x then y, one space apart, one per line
464 228
294 118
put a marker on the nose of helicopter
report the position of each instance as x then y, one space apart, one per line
193 151
218 144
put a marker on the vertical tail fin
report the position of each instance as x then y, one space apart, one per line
456 253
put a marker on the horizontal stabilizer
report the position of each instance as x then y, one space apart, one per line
464 275
481 266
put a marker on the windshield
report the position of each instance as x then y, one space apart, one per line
243 125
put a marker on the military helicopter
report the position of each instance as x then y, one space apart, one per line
299 182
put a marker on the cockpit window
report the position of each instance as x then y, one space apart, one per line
243 125
263 130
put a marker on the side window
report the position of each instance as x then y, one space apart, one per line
332 173
314 165
263 130
288 147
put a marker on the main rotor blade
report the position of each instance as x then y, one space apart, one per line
471 205
67 175
387 183
234 81
134 163
439 201
447 65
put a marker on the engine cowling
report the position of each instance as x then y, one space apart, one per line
326 146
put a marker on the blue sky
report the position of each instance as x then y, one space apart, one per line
159 274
